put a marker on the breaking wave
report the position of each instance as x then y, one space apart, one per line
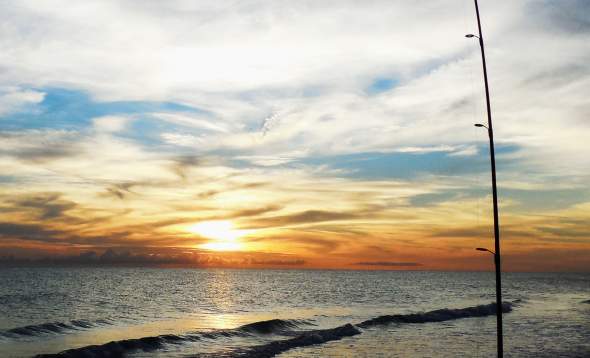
272 326
303 340
445 314
322 336
119 348
52 328
147 344
290 328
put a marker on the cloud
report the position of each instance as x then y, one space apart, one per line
27 232
13 99
567 16
46 234
477 232
47 205
183 164
255 211
300 241
142 257
182 139
120 190
110 257
110 124
305 217
39 146
193 121
566 233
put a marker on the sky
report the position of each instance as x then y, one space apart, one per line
293 134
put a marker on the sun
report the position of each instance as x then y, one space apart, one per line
222 233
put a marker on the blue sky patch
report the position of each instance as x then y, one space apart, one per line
402 165
382 85
74 110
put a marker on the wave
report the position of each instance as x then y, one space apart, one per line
274 326
52 328
445 314
322 336
119 348
305 339
148 344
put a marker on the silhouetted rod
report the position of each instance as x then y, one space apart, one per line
494 194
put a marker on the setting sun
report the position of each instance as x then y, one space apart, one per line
223 232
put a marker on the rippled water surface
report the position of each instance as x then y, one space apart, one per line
287 313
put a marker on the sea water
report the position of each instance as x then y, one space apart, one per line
143 312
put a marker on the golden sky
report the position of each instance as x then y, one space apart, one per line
274 134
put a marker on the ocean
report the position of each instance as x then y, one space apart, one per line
145 312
